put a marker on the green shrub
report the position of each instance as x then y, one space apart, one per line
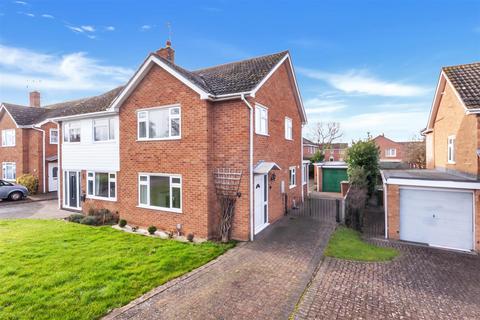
103 216
90 220
76 217
122 223
317 157
152 229
29 181
365 154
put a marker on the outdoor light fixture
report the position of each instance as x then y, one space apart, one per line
273 177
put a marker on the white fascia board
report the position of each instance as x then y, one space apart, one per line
83 116
265 79
142 72
436 99
434 183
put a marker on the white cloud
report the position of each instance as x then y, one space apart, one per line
47 16
28 14
110 28
75 71
88 28
23 3
395 124
320 105
75 29
146 27
357 81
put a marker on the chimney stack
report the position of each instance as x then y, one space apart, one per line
167 53
35 99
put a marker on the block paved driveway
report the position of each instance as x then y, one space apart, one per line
263 279
423 283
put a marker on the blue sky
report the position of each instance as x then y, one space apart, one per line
370 65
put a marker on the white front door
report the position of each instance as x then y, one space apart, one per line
261 202
52 176
442 218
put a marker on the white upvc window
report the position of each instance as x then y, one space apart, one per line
293 177
391 152
305 173
451 149
160 191
72 132
102 185
104 129
261 120
9 171
288 128
162 123
8 138
53 136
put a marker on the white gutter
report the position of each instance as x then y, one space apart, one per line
250 165
83 115
43 156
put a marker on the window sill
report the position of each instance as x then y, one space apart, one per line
160 209
104 141
451 162
262 134
158 139
101 198
288 139
8 146
292 186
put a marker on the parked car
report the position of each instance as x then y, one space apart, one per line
12 191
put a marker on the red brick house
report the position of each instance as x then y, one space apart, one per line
335 151
29 143
440 206
149 149
393 153
309 148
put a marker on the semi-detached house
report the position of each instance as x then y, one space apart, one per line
148 150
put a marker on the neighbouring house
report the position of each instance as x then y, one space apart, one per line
393 153
440 206
335 151
148 150
328 175
29 143
309 148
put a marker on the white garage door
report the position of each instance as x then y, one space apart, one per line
441 218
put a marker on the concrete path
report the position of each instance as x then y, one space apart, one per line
263 279
32 210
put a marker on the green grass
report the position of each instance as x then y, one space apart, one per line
60 270
346 244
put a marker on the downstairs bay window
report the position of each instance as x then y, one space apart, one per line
160 192
102 185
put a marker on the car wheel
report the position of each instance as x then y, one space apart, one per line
15 196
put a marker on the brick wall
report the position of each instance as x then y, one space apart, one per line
451 120
278 95
13 154
393 209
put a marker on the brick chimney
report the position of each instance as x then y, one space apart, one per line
35 99
167 52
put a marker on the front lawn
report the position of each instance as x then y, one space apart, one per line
346 244
60 270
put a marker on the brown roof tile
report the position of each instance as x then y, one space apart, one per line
466 80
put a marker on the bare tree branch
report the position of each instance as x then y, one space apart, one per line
325 133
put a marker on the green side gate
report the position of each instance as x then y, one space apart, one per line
331 178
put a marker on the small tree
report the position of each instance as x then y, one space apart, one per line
356 198
365 154
415 153
318 156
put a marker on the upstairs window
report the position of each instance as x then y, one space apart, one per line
261 120
288 129
71 132
451 149
104 129
159 123
53 136
391 152
8 138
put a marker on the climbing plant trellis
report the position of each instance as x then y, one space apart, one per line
227 184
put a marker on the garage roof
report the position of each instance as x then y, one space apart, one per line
419 174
